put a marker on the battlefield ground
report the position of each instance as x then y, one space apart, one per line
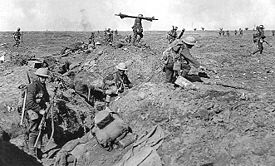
229 119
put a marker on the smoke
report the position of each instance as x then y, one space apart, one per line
85 23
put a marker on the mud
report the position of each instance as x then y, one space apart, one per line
227 120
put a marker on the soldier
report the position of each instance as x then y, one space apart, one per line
91 43
109 36
259 39
137 29
177 59
36 103
172 34
227 33
116 83
273 32
241 31
17 37
236 32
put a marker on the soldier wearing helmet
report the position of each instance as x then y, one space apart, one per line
17 37
137 29
259 39
36 103
117 82
177 59
172 34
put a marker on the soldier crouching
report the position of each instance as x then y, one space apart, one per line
117 82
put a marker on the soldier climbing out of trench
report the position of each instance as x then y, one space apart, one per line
177 59
117 82
36 104
259 39
172 34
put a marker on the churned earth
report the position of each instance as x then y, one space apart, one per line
228 119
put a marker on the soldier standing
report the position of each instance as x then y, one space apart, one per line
177 59
17 37
241 32
117 82
36 103
236 32
91 43
227 33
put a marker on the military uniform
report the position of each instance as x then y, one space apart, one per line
172 35
115 83
37 99
177 59
137 30
259 39
17 37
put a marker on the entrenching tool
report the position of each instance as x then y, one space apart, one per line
141 17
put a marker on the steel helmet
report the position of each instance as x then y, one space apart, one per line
261 27
190 40
42 72
122 66
18 29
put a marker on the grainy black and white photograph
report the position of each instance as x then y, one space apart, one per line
137 83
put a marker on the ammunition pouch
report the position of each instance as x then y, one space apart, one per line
32 115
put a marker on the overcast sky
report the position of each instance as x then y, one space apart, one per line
72 15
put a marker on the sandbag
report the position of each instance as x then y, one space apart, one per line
112 131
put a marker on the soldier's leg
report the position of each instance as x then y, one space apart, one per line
32 139
134 36
169 74
111 91
185 69
140 36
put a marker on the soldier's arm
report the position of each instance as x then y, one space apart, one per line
31 95
186 53
128 82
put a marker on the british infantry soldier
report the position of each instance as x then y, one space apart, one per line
91 42
241 31
37 102
273 32
259 39
227 33
236 32
177 59
17 37
137 29
172 34
117 82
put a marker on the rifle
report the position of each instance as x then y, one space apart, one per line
128 16
24 102
43 120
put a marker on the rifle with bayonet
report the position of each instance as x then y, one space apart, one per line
141 17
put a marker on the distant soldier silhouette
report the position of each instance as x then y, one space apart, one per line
91 42
236 32
273 32
227 33
241 32
17 37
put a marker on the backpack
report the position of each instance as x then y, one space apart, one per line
109 128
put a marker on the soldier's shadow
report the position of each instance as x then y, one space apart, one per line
197 77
